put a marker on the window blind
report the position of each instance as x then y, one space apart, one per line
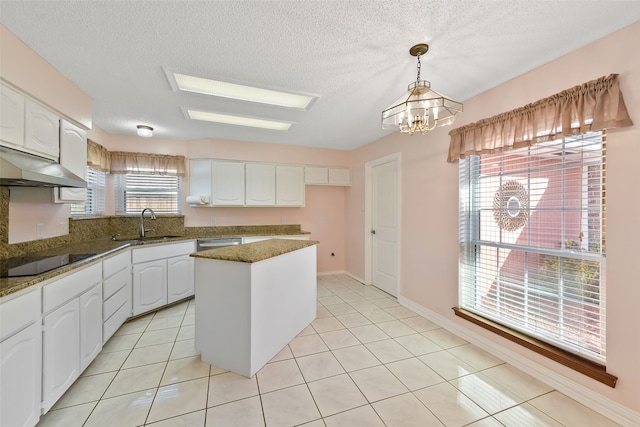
158 192
532 231
96 187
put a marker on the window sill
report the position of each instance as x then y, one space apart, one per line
579 364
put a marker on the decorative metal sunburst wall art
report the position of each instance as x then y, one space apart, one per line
511 206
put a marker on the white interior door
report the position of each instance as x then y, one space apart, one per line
384 226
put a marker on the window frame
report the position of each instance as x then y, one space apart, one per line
124 183
471 242
95 202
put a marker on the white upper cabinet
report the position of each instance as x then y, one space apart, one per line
260 184
200 182
340 176
11 117
233 183
289 185
227 183
42 130
73 156
316 175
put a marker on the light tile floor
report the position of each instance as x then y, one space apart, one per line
365 361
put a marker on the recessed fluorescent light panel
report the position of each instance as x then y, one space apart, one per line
241 92
237 120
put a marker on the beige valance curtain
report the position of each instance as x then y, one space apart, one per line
593 106
98 157
147 164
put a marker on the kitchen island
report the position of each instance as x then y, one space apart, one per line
252 300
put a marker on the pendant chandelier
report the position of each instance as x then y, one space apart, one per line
421 108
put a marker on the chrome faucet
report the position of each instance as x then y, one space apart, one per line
142 229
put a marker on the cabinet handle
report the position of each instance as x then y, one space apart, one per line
373 231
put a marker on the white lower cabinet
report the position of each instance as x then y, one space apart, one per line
162 274
149 286
116 292
72 329
90 326
180 278
61 352
21 377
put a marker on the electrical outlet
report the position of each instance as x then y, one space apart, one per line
40 231
212 220
64 228
323 219
284 219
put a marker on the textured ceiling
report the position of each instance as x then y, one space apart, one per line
353 55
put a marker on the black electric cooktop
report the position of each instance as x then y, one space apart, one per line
31 265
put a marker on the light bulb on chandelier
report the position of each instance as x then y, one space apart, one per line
420 109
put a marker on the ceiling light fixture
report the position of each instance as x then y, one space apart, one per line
237 120
420 109
241 92
145 131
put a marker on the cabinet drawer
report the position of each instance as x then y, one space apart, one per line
116 263
114 283
166 250
64 289
114 322
112 305
19 312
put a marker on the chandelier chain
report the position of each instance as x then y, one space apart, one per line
419 66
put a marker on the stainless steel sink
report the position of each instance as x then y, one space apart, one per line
153 238
119 238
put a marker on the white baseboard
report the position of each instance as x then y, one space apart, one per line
601 404
328 273
354 277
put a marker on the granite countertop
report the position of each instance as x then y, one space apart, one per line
106 246
100 247
254 252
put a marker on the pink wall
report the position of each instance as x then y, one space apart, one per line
322 215
26 70
429 246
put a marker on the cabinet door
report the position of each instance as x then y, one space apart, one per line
290 185
149 286
61 351
340 176
200 179
21 373
12 117
42 131
316 175
180 278
73 156
260 184
227 183
90 325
